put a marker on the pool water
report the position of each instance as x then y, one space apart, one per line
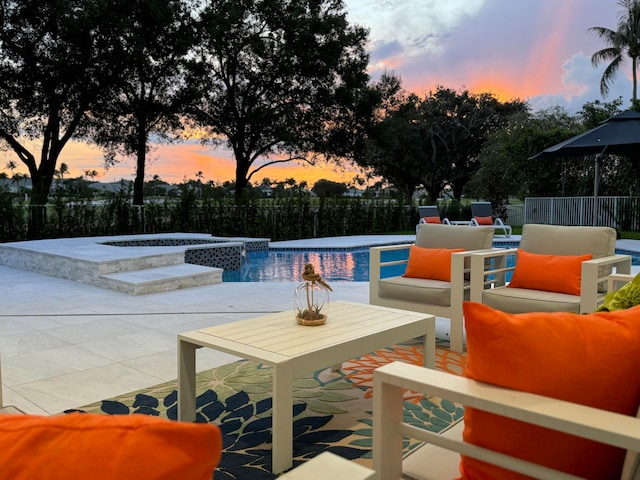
333 265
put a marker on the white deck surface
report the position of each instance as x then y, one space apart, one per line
65 344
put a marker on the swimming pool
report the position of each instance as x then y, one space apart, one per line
277 265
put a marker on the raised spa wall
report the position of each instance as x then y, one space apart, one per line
225 254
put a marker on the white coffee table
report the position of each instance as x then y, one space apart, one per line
293 350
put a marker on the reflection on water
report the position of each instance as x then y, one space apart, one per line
287 266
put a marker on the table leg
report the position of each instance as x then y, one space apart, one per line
429 357
186 381
282 445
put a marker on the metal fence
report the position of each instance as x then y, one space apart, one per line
515 215
622 213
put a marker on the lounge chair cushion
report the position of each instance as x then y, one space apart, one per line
553 273
484 220
431 263
585 359
419 290
92 446
432 220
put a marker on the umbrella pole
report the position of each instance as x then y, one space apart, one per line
596 182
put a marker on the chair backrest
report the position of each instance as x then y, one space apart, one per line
481 209
563 240
430 211
454 236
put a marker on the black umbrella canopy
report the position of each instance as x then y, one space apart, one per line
618 135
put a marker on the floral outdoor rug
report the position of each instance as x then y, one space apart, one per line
332 410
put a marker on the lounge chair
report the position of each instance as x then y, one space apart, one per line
548 273
482 214
438 296
430 214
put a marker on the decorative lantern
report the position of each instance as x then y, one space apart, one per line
312 298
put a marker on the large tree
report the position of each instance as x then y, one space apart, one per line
280 80
56 63
434 141
506 169
394 147
622 42
157 35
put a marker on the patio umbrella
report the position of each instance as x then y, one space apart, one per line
618 135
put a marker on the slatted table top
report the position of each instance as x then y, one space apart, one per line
278 335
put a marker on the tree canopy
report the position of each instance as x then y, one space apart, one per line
279 81
56 63
622 42
156 37
434 141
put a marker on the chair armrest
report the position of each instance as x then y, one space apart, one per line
499 224
594 280
489 263
617 280
376 264
458 271
388 429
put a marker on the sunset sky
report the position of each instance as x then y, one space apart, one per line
535 50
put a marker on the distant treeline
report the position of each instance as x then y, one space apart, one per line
294 217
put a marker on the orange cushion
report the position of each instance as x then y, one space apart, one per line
585 359
431 219
431 263
97 447
484 220
552 273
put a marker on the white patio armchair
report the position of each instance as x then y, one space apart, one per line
437 297
489 270
533 397
439 457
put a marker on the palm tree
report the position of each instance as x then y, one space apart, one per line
624 40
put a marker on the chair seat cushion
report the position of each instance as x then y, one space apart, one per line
97 447
523 300
584 359
432 220
419 290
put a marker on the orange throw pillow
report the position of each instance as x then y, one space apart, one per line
551 273
431 263
585 359
107 447
484 220
432 220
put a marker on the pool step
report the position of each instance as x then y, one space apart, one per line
161 279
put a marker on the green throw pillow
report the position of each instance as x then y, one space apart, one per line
626 297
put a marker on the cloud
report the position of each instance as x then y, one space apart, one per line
529 49
412 27
581 84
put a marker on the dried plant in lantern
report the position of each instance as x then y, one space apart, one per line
312 298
